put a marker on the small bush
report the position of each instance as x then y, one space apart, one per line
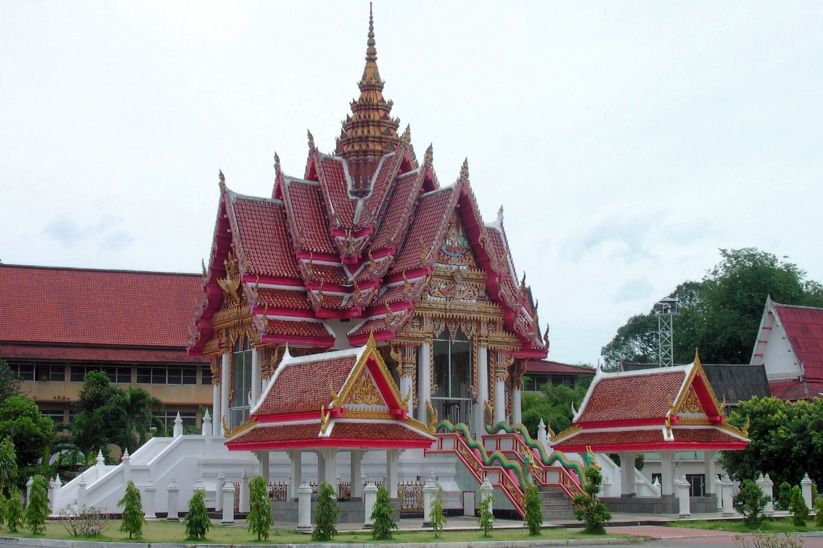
327 512
784 495
818 506
90 522
382 522
750 502
486 516
2 508
437 517
38 506
798 508
259 518
769 541
133 515
587 508
197 522
534 511
14 510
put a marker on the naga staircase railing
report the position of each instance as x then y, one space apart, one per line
503 473
547 470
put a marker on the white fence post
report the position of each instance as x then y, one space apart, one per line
304 507
228 502
369 498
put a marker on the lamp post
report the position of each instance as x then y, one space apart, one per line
666 310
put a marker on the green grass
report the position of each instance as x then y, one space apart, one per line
780 525
166 531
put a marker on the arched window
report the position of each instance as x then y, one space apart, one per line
452 396
241 382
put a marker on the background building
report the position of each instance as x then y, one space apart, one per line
56 324
541 373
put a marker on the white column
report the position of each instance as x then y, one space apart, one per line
423 380
727 486
627 473
255 377
683 497
711 474
768 490
487 492
244 493
806 490
177 431
172 490
499 397
304 507
149 499
356 463
296 459
666 472
482 389
218 497
369 498
228 502
329 456
391 472
516 406
224 392
263 458
217 428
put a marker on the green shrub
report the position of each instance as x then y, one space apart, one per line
8 464
534 511
382 522
587 508
90 522
14 510
133 515
486 516
750 502
38 505
818 506
784 495
197 522
436 516
798 508
327 512
2 508
259 518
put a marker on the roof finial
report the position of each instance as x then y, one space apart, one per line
311 140
696 356
276 163
464 171
428 159
371 51
406 137
500 214
222 180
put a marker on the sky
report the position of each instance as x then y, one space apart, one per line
627 141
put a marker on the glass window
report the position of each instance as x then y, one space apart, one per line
205 377
697 484
144 375
158 375
175 375
26 371
57 372
452 377
241 383
189 375
78 373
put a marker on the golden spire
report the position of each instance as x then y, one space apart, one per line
464 170
221 180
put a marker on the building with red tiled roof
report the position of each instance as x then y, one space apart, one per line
58 323
542 373
789 345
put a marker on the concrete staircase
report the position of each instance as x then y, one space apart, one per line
556 505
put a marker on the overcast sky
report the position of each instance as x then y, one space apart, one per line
627 142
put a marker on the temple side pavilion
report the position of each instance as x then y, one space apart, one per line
663 410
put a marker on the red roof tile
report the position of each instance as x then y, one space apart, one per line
804 327
382 178
292 328
305 386
396 215
335 190
306 202
327 273
89 354
340 430
614 438
430 219
548 366
264 237
651 395
282 298
794 390
99 307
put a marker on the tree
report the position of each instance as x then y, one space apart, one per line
259 518
785 440
588 508
382 521
721 313
750 502
38 505
486 518
135 415
784 495
133 516
436 517
798 508
8 465
14 510
197 522
553 404
327 513
9 381
818 506
534 512
29 430
2 508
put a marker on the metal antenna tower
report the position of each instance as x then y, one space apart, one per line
666 310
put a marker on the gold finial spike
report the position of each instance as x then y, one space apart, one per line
696 356
406 137
371 51
276 163
221 180
371 343
523 280
311 140
428 159
546 335
464 170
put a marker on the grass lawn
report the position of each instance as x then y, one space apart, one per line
781 525
166 531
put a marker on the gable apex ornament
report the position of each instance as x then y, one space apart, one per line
221 180
311 141
276 163
406 137
428 158
697 357
464 170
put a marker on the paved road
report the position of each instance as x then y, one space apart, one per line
675 536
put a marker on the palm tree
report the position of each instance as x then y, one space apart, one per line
135 410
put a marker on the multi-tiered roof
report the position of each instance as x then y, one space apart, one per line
355 238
